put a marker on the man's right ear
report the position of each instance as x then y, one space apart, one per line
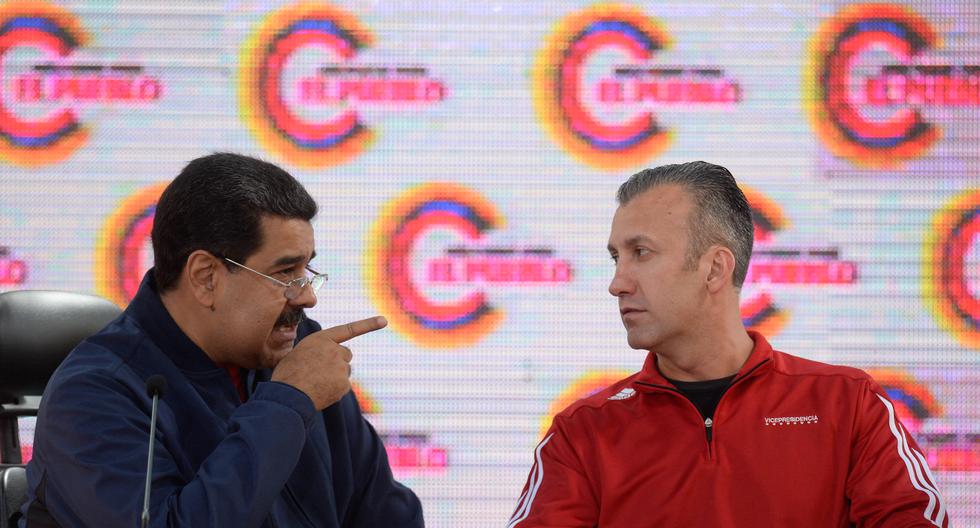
201 274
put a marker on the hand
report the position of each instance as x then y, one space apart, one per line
320 366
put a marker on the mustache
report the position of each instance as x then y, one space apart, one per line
291 318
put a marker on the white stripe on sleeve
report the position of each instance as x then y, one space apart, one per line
914 464
931 481
534 482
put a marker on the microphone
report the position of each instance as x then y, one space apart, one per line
156 385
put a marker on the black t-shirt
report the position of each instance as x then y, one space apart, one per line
704 394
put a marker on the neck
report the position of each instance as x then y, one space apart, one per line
720 360
707 353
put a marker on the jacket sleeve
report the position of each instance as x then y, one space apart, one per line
379 500
93 433
558 492
889 482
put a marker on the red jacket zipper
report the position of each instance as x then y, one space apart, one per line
709 424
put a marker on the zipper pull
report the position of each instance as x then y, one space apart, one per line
707 428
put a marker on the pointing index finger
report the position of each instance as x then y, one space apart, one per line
341 333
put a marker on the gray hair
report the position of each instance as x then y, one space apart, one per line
721 213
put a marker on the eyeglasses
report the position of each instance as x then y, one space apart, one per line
293 287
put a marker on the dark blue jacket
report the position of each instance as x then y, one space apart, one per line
273 461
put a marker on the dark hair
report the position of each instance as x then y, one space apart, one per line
721 213
216 204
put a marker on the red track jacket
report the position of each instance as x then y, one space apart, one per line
793 443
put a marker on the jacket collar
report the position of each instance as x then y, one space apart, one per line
761 353
148 311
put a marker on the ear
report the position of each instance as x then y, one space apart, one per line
201 271
721 267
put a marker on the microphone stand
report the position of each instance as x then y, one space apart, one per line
155 385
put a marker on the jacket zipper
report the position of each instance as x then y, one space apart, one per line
709 424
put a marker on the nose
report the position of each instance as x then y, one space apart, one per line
305 299
620 284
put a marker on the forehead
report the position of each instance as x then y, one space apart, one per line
660 213
284 238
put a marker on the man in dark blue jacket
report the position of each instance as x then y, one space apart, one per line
258 425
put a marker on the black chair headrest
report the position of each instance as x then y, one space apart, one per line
38 329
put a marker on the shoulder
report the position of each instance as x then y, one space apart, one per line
597 400
798 367
102 363
93 387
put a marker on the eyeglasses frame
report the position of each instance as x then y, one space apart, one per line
315 282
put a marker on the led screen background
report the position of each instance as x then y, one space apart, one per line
465 156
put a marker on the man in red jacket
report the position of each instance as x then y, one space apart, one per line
718 429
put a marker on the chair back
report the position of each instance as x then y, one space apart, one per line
13 494
38 328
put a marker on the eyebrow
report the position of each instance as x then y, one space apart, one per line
295 259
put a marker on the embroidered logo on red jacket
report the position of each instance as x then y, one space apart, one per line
811 419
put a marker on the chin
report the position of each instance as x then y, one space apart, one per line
272 356
639 340
637 343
